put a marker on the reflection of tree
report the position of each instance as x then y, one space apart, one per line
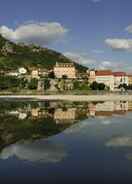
34 120
13 129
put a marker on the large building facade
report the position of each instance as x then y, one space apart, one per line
65 69
113 80
102 76
119 79
130 79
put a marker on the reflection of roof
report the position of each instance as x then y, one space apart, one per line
103 113
103 72
119 74
120 112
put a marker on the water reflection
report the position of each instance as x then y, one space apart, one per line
37 151
26 126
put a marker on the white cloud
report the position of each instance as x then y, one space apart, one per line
105 65
38 151
32 32
119 44
81 58
129 28
97 51
85 59
96 1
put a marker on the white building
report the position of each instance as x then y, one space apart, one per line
35 74
92 75
102 76
120 78
22 71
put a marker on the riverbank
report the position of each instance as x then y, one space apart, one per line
108 97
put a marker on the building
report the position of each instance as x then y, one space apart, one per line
119 79
106 77
109 108
91 75
65 70
35 74
22 71
65 116
43 72
129 79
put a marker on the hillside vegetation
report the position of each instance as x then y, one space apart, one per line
13 56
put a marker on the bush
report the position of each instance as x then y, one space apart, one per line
33 84
9 82
97 86
94 86
46 84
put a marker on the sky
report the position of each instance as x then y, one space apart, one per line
95 33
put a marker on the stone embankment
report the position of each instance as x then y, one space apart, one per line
111 97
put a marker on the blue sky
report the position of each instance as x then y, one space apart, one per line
96 33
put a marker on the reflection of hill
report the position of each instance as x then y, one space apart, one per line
12 129
34 120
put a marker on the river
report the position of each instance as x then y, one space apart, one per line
65 142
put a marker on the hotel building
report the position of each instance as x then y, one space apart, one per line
65 69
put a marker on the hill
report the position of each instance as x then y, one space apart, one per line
13 56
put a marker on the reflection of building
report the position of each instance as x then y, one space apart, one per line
120 107
92 109
108 108
35 112
65 116
129 106
68 114
65 69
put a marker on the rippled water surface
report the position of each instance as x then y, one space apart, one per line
64 142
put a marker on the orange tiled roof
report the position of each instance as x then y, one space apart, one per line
118 74
103 72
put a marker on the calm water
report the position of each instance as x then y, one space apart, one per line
59 142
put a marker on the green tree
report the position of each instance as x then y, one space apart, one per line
51 75
46 84
8 82
33 84
101 86
94 86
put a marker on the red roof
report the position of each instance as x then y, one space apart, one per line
119 74
104 72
